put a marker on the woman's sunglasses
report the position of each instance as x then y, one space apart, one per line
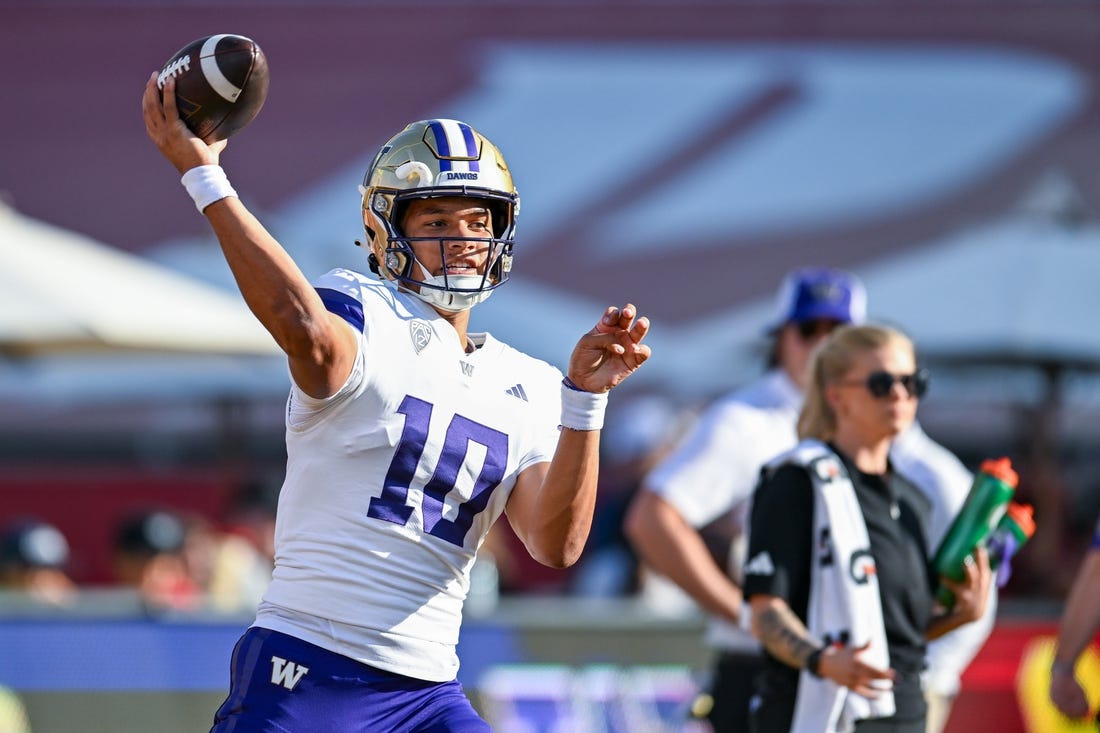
812 330
881 384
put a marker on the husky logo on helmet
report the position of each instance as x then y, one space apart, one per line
432 159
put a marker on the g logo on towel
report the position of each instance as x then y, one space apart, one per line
861 566
825 547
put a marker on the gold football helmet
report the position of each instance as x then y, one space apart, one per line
431 159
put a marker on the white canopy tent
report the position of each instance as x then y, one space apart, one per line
1018 291
94 339
1012 303
61 291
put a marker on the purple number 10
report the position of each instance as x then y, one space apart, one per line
391 505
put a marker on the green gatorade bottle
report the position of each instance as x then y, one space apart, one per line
985 506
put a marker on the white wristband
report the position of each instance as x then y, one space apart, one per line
581 410
207 184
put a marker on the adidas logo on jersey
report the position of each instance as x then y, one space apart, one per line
761 564
286 673
518 391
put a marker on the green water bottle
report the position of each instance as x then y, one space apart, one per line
985 506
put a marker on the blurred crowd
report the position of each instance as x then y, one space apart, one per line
162 559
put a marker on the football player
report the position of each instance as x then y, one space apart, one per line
407 435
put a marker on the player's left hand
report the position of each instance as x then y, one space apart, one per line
611 351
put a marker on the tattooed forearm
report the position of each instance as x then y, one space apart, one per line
783 634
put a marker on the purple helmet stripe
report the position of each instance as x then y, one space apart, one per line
442 144
471 145
456 145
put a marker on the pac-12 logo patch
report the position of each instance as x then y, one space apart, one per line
421 334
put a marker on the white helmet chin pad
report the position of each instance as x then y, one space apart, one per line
453 299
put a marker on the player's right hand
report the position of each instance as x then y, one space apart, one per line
168 132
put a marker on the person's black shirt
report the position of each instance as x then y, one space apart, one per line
896 514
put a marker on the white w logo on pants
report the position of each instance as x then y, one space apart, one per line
286 673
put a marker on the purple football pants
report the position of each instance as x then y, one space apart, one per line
280 684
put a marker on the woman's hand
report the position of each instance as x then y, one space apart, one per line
972 594
845 666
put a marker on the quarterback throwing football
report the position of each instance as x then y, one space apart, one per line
407 436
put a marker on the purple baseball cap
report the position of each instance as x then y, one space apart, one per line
820 293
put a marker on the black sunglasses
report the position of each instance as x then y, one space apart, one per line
881 384
809 330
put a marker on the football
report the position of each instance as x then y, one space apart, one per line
221 84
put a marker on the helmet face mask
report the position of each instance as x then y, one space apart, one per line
436 159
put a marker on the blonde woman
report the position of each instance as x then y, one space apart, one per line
838 575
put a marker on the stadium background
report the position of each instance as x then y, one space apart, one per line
711 146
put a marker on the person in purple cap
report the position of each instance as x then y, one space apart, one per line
709 479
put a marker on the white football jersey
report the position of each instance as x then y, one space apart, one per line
393 483
716 467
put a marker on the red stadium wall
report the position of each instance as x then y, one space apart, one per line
87 503
988 697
